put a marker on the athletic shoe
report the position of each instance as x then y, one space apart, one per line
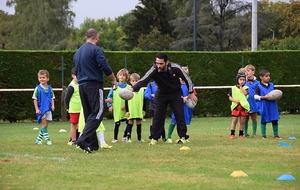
247 135
124 139
153 142
241 137
169 141
106 146
164 139
187 140
87 150
129 141
114 141
70 143
263 137
49 143
38 142
142 140
277 137
232 137
181 141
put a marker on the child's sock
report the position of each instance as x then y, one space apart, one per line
254 127
101 139
232 132
246 129
40 135
170 130
263 130
139 131
129 130
46 134
116 130
275 130
241 133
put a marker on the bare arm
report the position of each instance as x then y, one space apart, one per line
36 107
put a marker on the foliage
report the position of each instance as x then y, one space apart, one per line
207 165
154 41
150 14
40 24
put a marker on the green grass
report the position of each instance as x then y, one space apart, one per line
207 165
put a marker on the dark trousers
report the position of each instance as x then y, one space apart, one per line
162 101
92 100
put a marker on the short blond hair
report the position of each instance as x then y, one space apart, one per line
241 70
44 72
135 76
125 72
251 67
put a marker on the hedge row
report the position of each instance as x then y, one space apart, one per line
18 70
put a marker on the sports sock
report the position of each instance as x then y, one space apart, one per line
139 131
241 133
116 130
101 139
246 129
40 135
263 130
275 130
129 130
170 130
232 132
46 134
254 127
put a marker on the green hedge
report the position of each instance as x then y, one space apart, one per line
18 70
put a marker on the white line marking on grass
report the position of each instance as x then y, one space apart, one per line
35 157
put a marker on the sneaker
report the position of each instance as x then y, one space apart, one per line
263 137
164 139
153 142
187 140
253 136
38 142
69 143
124 139
181 141
232 137
106 146
277 137
142 140
169 141
74 143
241 137
129 141
87 150
49 143
114 141
247 135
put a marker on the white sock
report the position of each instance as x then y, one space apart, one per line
101 139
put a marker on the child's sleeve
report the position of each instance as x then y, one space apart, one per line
69 93
110 96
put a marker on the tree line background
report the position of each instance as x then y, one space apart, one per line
154 25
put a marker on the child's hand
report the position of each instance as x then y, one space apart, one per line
144 113
153 95
185 98
123 107
111 109
108 100
127 114
38 111
53 108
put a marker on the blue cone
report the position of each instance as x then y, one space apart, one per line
292 138
286 177
284 144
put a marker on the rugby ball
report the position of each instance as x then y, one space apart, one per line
275 94
126 94
190 103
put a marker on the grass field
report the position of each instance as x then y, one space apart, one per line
207 165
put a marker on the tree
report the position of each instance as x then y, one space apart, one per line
152 14
5 29
40 24
221 23
154 41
